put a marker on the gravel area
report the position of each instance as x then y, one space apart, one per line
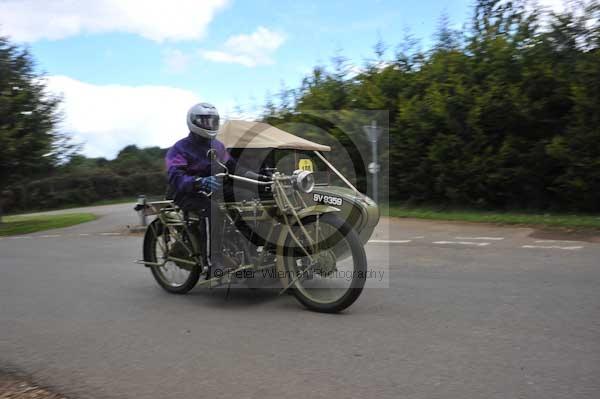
12 387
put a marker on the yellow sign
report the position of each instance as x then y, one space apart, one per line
305 164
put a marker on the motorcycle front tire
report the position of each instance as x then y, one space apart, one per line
360 267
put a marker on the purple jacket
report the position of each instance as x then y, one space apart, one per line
187 160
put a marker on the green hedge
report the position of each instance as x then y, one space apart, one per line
83 189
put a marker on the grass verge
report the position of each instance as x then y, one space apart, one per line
572 221
112 201
13 225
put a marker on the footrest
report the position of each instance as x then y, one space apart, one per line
147 264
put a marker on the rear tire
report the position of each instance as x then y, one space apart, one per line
152 249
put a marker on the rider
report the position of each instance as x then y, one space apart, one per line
191 171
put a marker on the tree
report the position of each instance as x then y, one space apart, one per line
29 142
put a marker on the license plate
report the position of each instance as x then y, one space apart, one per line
327 199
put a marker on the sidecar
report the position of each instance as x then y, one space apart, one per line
262 147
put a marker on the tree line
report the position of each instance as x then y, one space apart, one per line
504 113
82 180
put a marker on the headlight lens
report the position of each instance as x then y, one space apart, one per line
304 181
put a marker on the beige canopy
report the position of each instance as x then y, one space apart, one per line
245 134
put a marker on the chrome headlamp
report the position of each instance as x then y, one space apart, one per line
303 180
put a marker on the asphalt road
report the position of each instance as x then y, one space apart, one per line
470 311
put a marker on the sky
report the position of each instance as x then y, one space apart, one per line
128 70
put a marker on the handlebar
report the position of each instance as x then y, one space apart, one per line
301 180
247 179
256 176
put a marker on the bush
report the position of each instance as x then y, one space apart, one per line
83 189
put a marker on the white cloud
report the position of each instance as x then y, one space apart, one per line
31 20
108 117
249 50
552 5
176 61
575 6
233 109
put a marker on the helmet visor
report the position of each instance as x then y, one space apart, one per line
207 122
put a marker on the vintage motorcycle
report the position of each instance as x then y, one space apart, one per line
272 236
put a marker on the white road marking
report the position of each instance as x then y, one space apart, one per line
480 238
551 247
110 234
84 234
478 244
555 241
389 241
49 235
18 237
417 237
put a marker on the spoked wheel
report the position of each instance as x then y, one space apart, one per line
333 273
176 278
